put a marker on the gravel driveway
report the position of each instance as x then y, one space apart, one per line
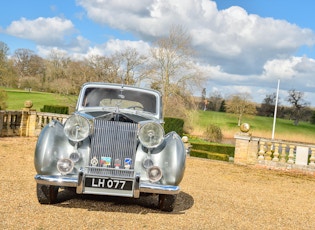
215 195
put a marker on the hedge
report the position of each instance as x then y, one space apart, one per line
209 155
55 109
214 148
174 124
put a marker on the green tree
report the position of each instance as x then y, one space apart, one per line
268 105
222 106
240 105
296 99
215 101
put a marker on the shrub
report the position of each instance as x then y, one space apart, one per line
174 124
214 148
213 133
209 155
55 109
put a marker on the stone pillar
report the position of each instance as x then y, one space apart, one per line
246 149
31 124
24 121
27 120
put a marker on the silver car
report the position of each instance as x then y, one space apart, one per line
114 144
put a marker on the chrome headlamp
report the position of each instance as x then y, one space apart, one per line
77 128
151 135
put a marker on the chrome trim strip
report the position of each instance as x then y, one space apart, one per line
159 188
57 180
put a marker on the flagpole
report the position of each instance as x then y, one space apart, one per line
275 113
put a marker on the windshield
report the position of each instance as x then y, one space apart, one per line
120 98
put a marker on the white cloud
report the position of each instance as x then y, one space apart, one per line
237 41
106 49
115 45
44 31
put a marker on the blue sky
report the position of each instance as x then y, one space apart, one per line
243 45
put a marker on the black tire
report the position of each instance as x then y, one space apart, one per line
47 194
167 202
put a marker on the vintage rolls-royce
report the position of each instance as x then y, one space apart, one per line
114 144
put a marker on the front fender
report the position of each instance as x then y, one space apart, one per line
51 145
170 157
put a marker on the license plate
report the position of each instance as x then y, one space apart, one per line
108 183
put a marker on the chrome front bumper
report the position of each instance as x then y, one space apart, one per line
139 187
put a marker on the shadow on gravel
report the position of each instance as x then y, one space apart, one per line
145 204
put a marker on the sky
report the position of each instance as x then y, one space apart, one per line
243 46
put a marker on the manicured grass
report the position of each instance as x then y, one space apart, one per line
16 99
260 126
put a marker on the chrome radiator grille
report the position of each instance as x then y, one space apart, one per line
114 145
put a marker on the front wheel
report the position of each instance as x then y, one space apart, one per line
167 202
47 194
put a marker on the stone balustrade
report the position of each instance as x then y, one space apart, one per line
27 122
10 122
274 154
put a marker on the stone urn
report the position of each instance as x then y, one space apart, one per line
28 104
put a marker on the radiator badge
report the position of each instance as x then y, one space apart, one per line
105 161
94 161
117 163
127 163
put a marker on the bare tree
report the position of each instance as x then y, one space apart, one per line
240 105
79 72
130 62
4 49
58 64
103 69
172 69
30 68
22 62
296 99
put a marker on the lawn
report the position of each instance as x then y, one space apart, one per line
16 99
260 126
